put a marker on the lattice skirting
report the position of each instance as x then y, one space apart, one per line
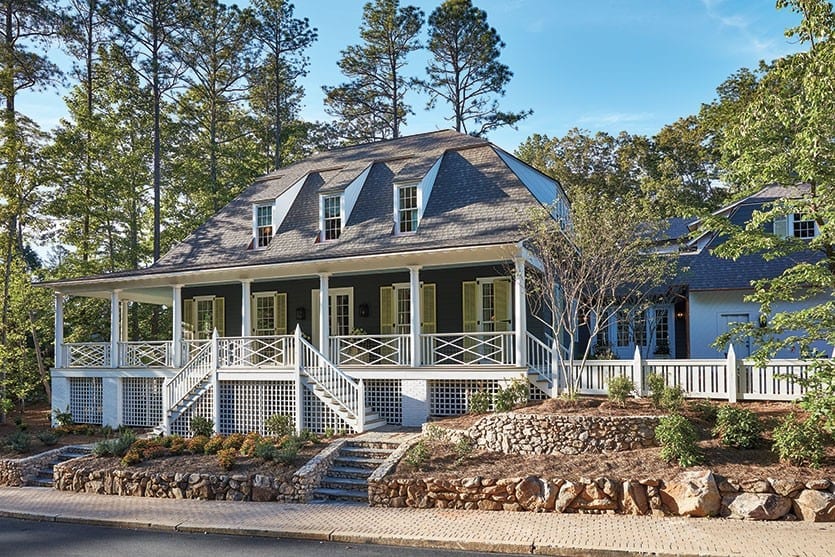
86 400
536 394
452 398
318 418
385 397
142 401
201 407
245 405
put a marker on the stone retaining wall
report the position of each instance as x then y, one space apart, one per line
697 493
16 472
517 433
77 476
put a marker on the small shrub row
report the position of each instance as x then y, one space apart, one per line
505 399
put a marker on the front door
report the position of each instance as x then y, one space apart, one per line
486 309
340 313
726 322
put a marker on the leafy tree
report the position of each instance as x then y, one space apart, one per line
284 38
372 105
592 268
465 71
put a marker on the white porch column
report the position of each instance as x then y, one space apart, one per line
115 326
177 325
324 313
59 331
520 314
246 308
414 315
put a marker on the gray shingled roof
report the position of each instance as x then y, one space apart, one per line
709 272
476 200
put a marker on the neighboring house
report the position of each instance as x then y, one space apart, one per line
707 298
369 284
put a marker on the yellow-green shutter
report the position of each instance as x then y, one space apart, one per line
781 227
470 310
387 310
501 299
219 316
189 319
253 314
281 313
428 316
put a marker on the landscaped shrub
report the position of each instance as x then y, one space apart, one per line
226 458
620 388
706 410
265 450
677 438
49 437
737 427
672 399
434 433
819 397
799 442
131 457
516 394
214 444
178 445
463 448
289 450
197 444
115 447
63 418
233 441
202 426
417 456
19 441
250 442
656 385
279 425
479 402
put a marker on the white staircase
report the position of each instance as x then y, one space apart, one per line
180 392
540 358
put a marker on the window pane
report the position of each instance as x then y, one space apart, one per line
801 228
407 207
333 219
264 226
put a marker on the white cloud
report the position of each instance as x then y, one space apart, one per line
612 118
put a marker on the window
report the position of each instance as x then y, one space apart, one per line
263 225
202 315
802 228
407 209
331 217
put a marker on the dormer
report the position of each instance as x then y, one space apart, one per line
336 203
269 214
410 197
795 225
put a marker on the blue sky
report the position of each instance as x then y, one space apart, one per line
606 65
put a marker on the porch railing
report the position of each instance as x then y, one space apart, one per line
256 352
466 349
87 354
338 387
146 354
371 350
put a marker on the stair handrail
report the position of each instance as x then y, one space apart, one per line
176 388
338 385
541 348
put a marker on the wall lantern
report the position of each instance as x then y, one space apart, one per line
763 320
300 314
679 315
363 310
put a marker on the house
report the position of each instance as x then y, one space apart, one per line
365 285
708 296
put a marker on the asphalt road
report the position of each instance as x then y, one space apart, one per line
26 538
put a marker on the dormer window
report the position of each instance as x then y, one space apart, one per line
406 208
795 225
263 225
331 223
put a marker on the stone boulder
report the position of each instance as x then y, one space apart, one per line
635 499
756 506
815 506
692 494
531 493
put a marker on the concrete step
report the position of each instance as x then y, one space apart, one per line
364 452
333 482
340 494
349 472
358 462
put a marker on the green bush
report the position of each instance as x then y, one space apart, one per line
19 441
214 444
289 450
620 388
479 402
737 427
463 448
656 385
49 437
799 442
434 433
115 447
226 458
417 456
706 410
819 397
197 444
516 394
672 399
201 426
265 450
233 441
678 437
279 425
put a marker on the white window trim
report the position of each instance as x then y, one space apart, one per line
195 313
396 207
322 198
789 231
255 208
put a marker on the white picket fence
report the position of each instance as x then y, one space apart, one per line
723 379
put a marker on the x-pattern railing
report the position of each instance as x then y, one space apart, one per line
146 354
87 354
468 349
273 351
370 350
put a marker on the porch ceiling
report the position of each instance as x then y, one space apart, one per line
156 288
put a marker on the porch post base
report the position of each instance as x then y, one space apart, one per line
60 396
111 401
415 400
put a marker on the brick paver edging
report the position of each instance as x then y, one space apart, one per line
541 533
